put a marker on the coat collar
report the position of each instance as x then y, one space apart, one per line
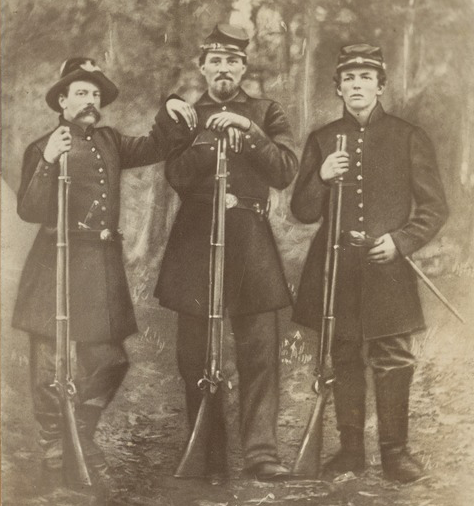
76 129
207 100
376 114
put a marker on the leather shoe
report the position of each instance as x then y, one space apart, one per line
269 471
399 465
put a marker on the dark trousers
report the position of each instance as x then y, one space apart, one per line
256 338
99 371
393 364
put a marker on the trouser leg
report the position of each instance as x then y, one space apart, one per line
393 365
257 362
45 400
101 369
191 354
349 391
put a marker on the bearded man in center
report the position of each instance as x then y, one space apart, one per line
261 157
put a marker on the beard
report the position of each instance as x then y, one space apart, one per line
224 88
88 111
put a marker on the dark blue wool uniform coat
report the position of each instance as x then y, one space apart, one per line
254 281
393 186
101 308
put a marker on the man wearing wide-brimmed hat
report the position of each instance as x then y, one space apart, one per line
101 312
391 194
262 156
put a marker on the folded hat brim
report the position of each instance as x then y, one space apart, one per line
108 90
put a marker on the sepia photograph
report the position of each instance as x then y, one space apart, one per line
237 252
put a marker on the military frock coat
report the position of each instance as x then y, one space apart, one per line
392 186
254 281
100 303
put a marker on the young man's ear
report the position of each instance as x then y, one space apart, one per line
381 89
338 90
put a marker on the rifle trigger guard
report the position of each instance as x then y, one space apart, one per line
71 388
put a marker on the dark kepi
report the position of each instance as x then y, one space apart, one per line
360 55
226 38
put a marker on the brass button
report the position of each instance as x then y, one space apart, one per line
224 108
358 150
98 156
93 149
102 222
361 205
361 218
101 169
102 181
45 174
103 208
88 138
359 191
253 146
358 164
104 195
362 129
247 136
359 177
360 141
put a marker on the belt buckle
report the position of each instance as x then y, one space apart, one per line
105 235
230 201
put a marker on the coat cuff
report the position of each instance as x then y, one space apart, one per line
404 243
254 138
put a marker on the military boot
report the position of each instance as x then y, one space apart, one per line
351 456
392 395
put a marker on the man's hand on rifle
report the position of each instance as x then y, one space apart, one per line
335 166
59 142
175 106
233 123
384 250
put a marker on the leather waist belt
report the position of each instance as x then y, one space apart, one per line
258 206
91 235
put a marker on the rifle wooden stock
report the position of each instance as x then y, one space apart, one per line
74 466
194 458
308 460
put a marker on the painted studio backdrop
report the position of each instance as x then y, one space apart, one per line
149 48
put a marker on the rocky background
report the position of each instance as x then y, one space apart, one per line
150 49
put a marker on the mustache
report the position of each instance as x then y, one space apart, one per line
90 109
223 78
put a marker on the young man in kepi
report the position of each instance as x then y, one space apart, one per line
392 192
254 282
101 312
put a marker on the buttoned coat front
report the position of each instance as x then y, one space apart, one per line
101 307
392 186
254 281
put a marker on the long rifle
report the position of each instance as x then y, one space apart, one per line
308 460
74 466
194 459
